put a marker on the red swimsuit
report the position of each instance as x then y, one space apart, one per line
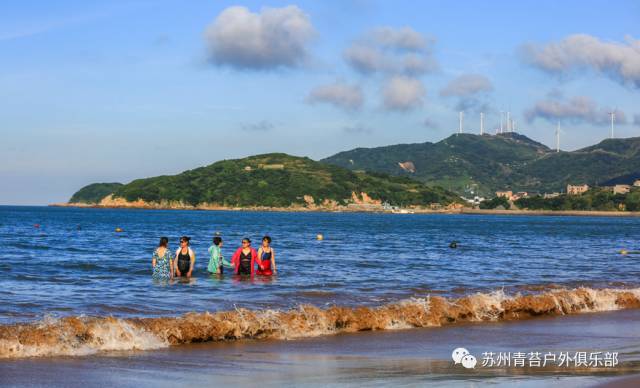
266 264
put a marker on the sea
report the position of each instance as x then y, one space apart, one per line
381 299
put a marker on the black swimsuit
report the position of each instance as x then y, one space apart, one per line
184 262
245 264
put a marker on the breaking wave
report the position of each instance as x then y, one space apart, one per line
87 335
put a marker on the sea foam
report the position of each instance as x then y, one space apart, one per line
77 336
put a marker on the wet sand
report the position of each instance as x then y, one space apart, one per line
404 357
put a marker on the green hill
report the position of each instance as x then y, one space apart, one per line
278 180
489 163
93 193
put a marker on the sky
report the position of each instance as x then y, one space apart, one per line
111 91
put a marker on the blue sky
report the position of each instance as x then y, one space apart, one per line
96 91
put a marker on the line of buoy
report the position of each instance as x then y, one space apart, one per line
319 237
118 230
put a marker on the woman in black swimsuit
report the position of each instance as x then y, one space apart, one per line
245 258
185 258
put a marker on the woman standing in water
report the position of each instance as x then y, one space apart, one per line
216 261
162 261
245 259
267 258
185 258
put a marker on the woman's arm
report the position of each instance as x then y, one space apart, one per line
175 262
254 260
235 259
192 256
212 258
224 261
273 260
259 257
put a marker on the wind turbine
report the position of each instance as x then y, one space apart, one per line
501 116
612 114
558 137
461 117
481 123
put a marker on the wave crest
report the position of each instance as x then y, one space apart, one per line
86 335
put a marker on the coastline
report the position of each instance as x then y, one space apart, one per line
355 208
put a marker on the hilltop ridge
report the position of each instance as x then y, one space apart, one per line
486 163
274 180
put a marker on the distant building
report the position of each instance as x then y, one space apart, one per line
518 195
247 168
506 194
621 189
476 200
577 189
636 183
550 195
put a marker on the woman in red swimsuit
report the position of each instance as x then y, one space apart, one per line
267 257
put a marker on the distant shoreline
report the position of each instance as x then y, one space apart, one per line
571 213
369 209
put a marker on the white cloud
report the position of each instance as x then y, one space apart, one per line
403 93
391 51
416 64
579 109
272 38
404 38
339 94
473 104
620 61
467 84
471 90
367 59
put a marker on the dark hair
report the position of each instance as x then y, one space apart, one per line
267 238
217 240
247 239
185 238
164 241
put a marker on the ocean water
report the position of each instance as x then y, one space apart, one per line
74 286
75 263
